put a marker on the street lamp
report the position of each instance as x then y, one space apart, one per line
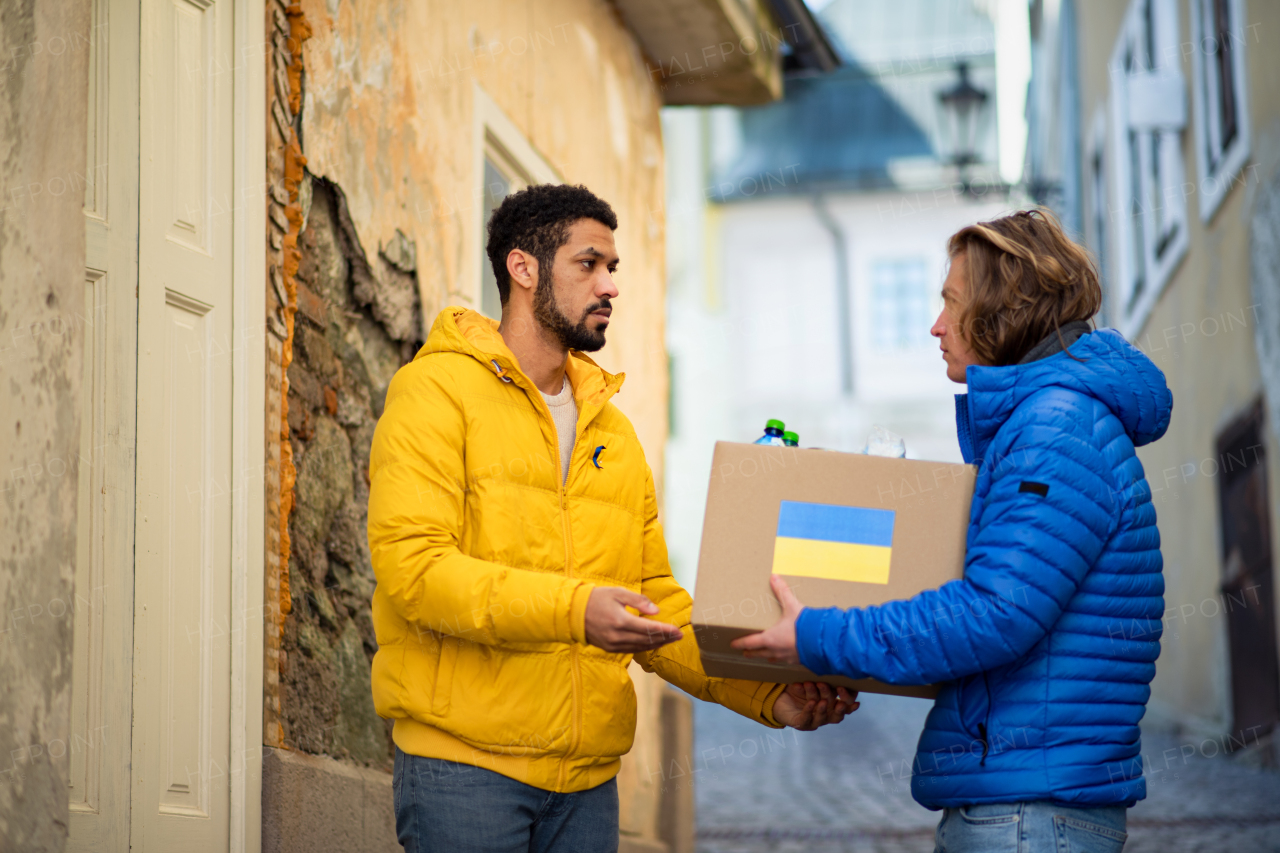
960 108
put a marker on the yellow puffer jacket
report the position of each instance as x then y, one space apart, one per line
485 560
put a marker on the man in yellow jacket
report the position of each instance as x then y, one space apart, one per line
513 522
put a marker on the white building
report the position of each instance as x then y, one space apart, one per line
807 247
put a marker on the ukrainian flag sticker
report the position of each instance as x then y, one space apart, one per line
839 543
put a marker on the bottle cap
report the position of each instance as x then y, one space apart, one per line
775 424
791 436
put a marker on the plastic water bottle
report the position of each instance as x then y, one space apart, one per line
790 439
772 433
882 442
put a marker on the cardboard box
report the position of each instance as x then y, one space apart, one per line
846 530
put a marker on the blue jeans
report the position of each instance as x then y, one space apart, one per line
444 807
1031 828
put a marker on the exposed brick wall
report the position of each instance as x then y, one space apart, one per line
287 28
357 322
341 326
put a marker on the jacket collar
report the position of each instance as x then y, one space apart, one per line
1057 340
994 392
469 332
1101 365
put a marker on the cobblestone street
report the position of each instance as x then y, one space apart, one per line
847 788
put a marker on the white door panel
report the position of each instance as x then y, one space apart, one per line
102 606
182 664
152 672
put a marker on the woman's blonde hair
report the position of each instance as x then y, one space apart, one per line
1026 279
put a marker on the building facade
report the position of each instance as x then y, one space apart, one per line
1160 117
247 214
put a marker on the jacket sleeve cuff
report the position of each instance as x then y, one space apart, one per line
766 708
811 628
578 612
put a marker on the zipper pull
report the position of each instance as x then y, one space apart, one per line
982 733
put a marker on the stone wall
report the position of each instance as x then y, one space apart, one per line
321 805
357 322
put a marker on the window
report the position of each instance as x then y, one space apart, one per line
900 308
498 184
505 163
1148 103
1221 108
1098 228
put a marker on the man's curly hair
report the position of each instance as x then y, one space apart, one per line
536 220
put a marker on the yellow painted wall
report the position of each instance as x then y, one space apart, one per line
1201 334
388 116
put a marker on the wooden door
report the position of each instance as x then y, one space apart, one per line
1247 585
102 605
152 679
183 571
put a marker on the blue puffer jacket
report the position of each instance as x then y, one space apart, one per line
1047 647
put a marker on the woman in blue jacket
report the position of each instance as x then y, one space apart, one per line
1047 647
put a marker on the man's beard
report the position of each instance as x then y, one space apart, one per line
548 314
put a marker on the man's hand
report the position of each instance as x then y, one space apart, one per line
778 644
806 705
612 628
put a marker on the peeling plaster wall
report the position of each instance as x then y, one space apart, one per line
43 117
388 115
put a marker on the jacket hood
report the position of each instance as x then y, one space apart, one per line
462 330
1109 369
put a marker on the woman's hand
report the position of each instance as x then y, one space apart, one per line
778 644
806 705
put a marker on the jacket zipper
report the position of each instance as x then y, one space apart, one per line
575 738
575 742
964 428
982 727
575 734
